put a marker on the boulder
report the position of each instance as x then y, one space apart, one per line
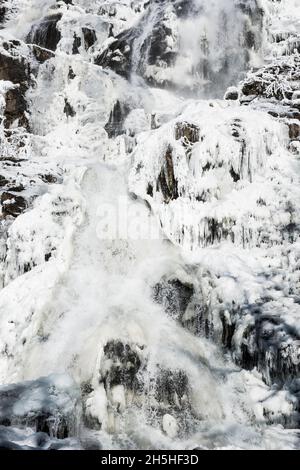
46 33
232 94
41 54
294 130
15 68
12 205
120 365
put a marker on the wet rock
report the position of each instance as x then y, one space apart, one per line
71 74
3 181
49 178
174 295
167 183
68 109
151 55
232 94
266 342
189 132
294 130
157 49
89 39
22 438
12 205
2 14
118 55
47 405
41 54
121 365
114 126
16 108
14 68
46 33
253 88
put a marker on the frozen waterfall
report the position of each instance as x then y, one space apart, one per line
150 220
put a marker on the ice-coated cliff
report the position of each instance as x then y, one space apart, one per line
150 221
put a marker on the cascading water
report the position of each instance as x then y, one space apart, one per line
195 47
129 286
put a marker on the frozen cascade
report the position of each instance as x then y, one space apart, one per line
188 45
149 256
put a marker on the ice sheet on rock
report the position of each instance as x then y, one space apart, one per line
223 182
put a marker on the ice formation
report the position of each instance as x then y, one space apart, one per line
149 251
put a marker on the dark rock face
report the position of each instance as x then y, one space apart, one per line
174 295
2 14
118 56
166 182
12 205
89 39
294 130
42 55
47 405
232 94
68 109
121 57
15 108
125 363
46 33
188 132
14 68
114 127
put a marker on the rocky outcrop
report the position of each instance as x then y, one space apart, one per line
12 205
15 68
86 41
115 124
46 34
2 14
151 48
120 366
118 54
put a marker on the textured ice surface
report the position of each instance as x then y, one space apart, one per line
178 326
